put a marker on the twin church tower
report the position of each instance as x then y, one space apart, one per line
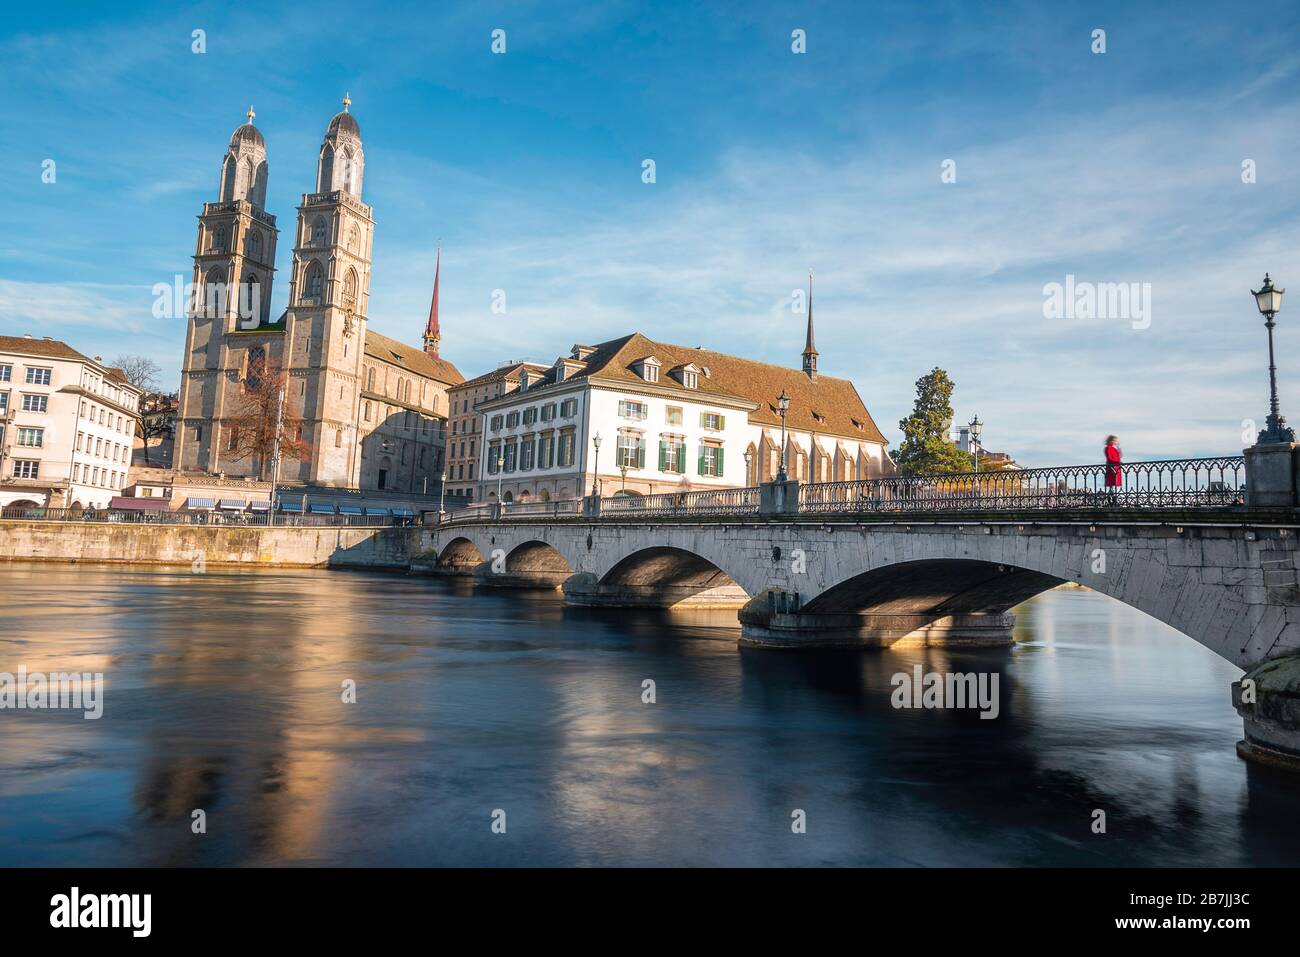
372 409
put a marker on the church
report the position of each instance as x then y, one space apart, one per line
372 411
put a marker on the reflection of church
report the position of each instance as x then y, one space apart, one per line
373 410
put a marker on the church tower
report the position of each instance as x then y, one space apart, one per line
809 347
234 264
328 304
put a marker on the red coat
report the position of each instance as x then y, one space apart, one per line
1114 471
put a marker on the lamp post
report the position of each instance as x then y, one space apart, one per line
1269 301
442 489
623 469
976 430
501 464
782 407
749 461
595 466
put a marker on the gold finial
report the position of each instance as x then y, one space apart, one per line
251 114
347 101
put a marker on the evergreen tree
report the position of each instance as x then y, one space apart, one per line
926 448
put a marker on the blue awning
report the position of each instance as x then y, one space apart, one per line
376 511
317 507
403 513
238 504
259 506
200 503
351 510
291 506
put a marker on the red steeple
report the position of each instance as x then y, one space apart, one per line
432 332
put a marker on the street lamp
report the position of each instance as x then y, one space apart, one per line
442 489
595 466
501 464
976 430
623 469
749 460
782 407
1269 300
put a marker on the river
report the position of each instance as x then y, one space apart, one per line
223 693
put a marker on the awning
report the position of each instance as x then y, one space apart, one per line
257 505
140 504
200 503
403 513
235 504
318 508
287 506
351 510
376 511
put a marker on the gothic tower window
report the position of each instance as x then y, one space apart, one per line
254 245
315 280
354 238
318 232
254 366
350 289
221 239
228 179
214 292
370 379
327 170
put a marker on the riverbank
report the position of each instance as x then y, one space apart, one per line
216 545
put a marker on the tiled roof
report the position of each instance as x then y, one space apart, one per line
409 357
824 405
51 348
505 372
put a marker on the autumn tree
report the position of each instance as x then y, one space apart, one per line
254 433
926 448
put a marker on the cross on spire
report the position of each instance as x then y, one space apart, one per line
347 101
251 114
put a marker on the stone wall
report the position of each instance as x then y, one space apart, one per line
215 545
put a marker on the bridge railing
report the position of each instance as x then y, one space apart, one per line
722 501
553 509
1173 483
36 513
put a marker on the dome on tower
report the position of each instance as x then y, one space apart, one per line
344 122
248 133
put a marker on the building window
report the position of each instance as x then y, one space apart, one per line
712 421
221 239
672 455
492 460
710 460
198 433
630 409
512 420
338 438
31 438
565 454
318 233
26 468
568 408
673 415
548 412
512 452
496 423
350 289
315 280
38 375
254 245
530 416
6 373
232 442
690 379
546 452
630 453
4 401
526 452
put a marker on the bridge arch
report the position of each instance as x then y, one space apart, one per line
460 553
535 557
662 576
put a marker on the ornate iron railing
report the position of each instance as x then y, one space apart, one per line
553 509
1176 483
29 513
722 501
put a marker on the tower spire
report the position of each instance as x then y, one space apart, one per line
809 347
432 331
251 114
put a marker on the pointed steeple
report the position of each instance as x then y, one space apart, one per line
809 347
432 331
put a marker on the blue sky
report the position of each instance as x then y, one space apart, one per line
1115 167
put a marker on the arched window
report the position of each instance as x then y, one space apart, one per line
214 292
228 179
250 300
254 367
327 170
354 238
315 280
318 232
221 239
370 379
350 288
254 245
259 191
248 180
349 171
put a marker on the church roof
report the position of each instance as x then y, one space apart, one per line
824 405
408 357
247 132
345 122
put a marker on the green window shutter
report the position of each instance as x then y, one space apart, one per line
701 463
722 422
663 458
640 455
701 420
719 472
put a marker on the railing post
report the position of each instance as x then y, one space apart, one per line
778 498
1271 475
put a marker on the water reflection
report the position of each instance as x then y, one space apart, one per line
223 693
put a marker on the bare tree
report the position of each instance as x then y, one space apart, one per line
157 418
140 371
254 426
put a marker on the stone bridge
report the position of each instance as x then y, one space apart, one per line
1222 571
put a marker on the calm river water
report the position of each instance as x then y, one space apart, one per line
223 693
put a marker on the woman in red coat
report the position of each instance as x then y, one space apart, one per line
1114 466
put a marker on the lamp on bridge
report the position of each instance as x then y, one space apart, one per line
976 430
782 407
595 466
1269 300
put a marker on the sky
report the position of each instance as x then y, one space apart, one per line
936 166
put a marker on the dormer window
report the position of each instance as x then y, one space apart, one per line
691 380
647 368
688 375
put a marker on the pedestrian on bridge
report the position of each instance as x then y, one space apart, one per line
1114 466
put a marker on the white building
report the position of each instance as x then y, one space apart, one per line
670 418
66 425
